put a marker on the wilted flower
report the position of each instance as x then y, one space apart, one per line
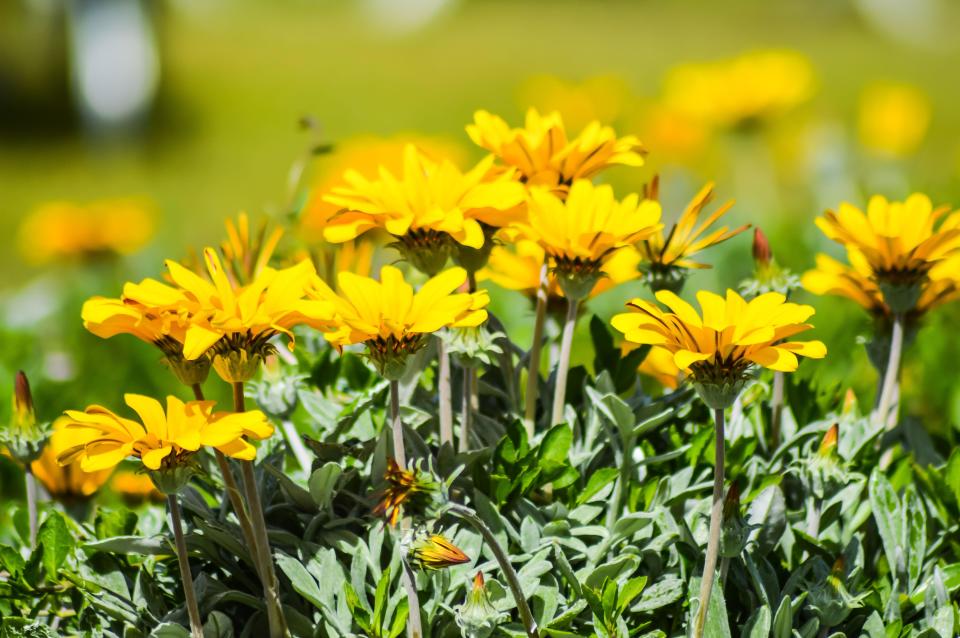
542 153
667 257
431 206
435 551
66 230
477 617
579 234
900 243
740 91
406 488
164 441
733 335
390 319
893 118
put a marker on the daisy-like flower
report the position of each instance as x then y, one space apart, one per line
68 483
435 551
430 208
247 254
134 487
666 258
391 319
660 365
405 488
164 441
741 91
893 119
900 242
718 349
580 234
544 155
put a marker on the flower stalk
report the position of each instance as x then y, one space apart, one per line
32 514
444 383
264 557
563 366
716 519
469 399
533 372
776 408
526 616
892 375
189 595
414 622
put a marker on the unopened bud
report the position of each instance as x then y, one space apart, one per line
828 446
23 437
435 551
762 255
477 617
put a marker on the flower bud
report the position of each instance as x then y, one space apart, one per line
24 437
435 551
477 617
828 446
735 532
23 402
762 255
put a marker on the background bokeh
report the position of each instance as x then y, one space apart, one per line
194 110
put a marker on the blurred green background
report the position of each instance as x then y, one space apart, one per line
223 85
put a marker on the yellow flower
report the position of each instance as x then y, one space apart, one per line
667 256
670 133
404 488
430 203
365 156
600 98
660 365
543 154
580 233
893 118
732 336
435 551
99 439
900 242
391 319
746 89
69 482
135 487
66 230
246 255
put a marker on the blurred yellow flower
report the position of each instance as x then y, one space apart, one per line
542 153
670 133
731 336
66 483
99 439
429 196
135 487
246 255
391 319
666 256
363 155
579 234
747 89
659 364
601 98
65 230
893 118
900 242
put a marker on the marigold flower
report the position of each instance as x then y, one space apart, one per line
67 230
893 118
67 483
740 91
719 348
431 204
581 232
405 488
542 153
99 439
666 257
436 551
900 242
390 319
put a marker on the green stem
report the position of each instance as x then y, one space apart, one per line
443 391
526 616
268 576
414 622
776 409
299 450
563 366
716 519
533 372
190 597
32 514
891 376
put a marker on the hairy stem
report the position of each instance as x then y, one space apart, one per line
776 409
892 374
190 597
466 414
443 389
563 366
526 616
268 576
533 372
30 486
414 623
716 519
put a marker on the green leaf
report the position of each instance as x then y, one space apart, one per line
916 535
630 590
380 599
169 630
665 591
149 546
218 625
888 515
300 578
598 480
322 483
555 447
56 542
758 625
783 620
